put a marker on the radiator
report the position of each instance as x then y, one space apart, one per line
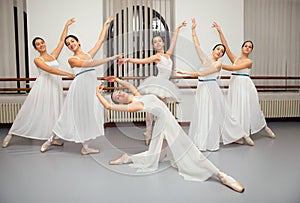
116 116
272 108
280 108
9 112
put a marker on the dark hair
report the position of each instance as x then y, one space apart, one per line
158 36
72 36
111 96
222 46
36 38
246 42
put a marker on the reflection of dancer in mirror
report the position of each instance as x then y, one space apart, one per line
42 106
182 153
212 119
81 118
242 94
159 85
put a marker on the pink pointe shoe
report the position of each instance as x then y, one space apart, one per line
240 141
57 143
270 132
45 146
6 140
87 150
123 159
249 140
230 182
147 135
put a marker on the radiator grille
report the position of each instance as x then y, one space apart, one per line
9 112
115 116
281 108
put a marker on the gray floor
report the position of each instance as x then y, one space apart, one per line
269 171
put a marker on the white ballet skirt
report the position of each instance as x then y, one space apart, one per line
160 85
41 108
183 154
82 116
244 102
212 121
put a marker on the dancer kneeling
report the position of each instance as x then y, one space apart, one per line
182 153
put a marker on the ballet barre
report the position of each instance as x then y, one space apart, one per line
277 87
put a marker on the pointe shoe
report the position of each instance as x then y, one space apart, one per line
249 140
147 137
6 140
240 141
86 151
45 146
123 159
270 132
57 143
230 182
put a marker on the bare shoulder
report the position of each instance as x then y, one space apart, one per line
135 106
218 65
38 60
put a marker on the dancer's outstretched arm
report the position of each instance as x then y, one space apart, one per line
216 67
125 84
55 53
203 58
101 38
231 56
148 60
131 107
75 62
246 64
174 38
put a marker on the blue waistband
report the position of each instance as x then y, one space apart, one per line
84 71
206 80
240 74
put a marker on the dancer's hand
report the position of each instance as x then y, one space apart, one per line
70 75
194 24
180 71
111 78
215 25
109 20
118 56
122 61
70 21
99 88
181 25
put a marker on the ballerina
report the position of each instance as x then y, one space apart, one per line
159 85
242 94
212 121
46 95
81 118
183 154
